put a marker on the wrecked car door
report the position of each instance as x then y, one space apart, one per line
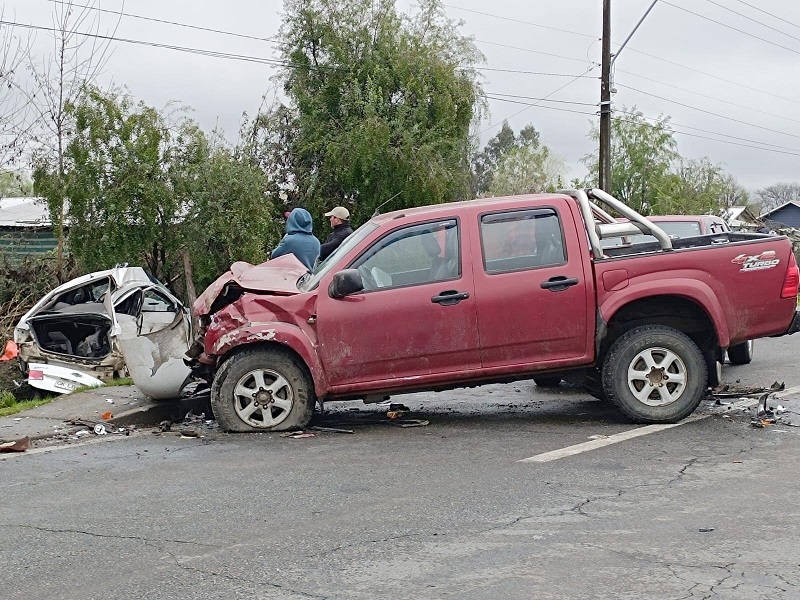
154 334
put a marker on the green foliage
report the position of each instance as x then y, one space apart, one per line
13 407
229 218
516 164
695 187
7 399
381 103
14 184
146 190
642 154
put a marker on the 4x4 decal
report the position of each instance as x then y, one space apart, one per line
757 262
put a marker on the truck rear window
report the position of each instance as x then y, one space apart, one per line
519 240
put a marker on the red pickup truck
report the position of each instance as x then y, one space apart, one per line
490 290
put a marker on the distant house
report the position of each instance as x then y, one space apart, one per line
786 215
740 217
25 228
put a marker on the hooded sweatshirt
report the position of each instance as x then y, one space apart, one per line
298 239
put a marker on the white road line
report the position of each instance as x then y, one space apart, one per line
640 431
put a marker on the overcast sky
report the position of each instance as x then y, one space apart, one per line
694 60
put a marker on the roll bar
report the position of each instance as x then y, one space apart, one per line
611 228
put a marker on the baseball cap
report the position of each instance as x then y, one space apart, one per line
340 211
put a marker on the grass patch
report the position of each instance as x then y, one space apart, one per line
11 406
109 383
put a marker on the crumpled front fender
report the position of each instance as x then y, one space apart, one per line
271 333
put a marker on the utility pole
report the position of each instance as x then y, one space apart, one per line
605 102
605 92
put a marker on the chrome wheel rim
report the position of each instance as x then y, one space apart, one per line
657 377
263 398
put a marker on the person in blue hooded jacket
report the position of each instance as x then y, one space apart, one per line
299 239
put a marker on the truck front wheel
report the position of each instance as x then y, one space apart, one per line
655 374
262 390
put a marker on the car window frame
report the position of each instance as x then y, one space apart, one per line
441 220
539 209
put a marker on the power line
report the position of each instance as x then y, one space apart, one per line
703 137
733 137
555 91
528 72
744 16
708 112
198 51
768 13
176 23
583 60
742 31
531 105
485 14
659 58
544 99
730 81
674 87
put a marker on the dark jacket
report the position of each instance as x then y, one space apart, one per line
298 239
339 234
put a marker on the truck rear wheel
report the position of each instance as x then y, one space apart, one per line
741 354
655 374
262 390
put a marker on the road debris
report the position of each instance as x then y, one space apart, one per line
705 529
331 429
298 435
100 429
19 445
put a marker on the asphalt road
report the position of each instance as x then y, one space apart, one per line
707 509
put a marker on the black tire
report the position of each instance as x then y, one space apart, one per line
253 373
741 354
640 396
547 382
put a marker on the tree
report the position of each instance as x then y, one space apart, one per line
695 187
733 194
15 111
484 163
527 169
641 157
144 189
383 103
15 183
59 81
777 194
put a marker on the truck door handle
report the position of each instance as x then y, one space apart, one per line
450 297
557 284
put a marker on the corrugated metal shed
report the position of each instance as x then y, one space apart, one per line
25 228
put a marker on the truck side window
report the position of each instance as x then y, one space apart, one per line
411 256
519 240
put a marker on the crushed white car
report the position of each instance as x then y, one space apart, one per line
102 326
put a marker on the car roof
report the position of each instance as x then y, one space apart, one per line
500 202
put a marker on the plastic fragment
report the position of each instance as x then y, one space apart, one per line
100 429
705 529
106 416
19 445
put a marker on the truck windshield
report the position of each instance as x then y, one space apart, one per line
311 280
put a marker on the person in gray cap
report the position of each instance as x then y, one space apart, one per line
340 221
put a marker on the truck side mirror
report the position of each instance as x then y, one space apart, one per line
345 282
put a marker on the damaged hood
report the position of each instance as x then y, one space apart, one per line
278 276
